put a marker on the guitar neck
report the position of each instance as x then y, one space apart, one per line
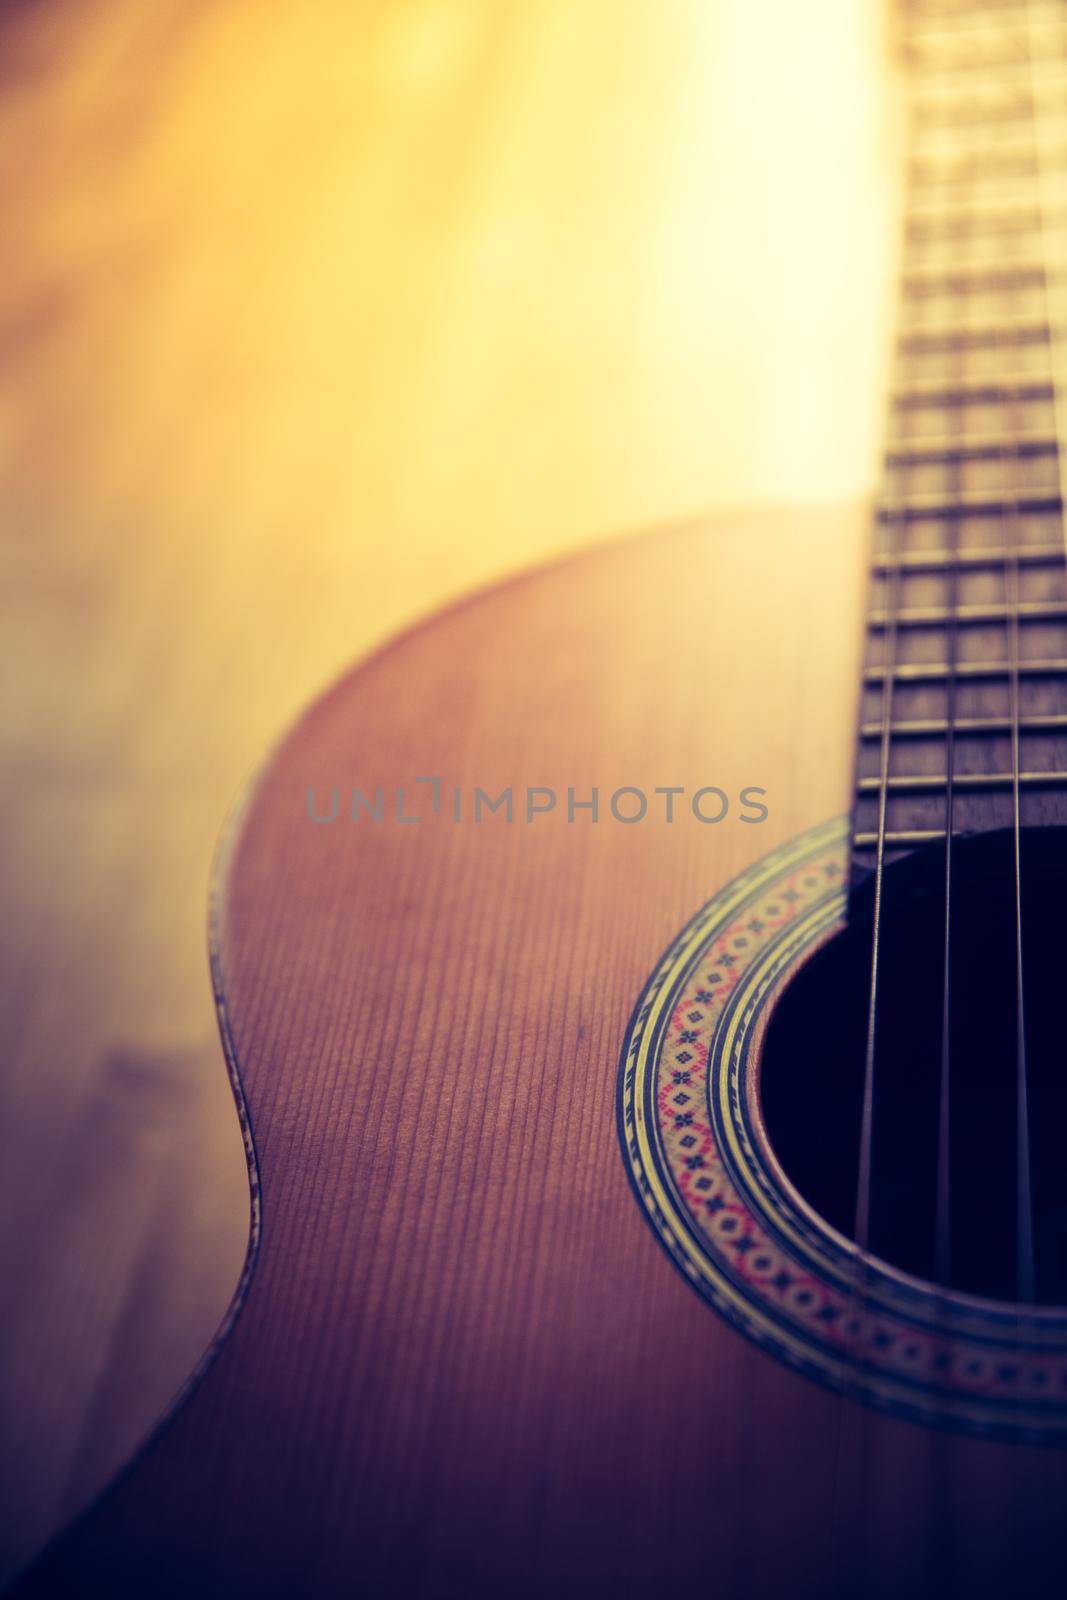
963 706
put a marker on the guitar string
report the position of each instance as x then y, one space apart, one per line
854 1322
1024 1243
1045 256
1024 1265
864 1182
861 1229
939 1528
1025 1506
942 1223
1011 458
1024 1274
941 1523
1011 455
943 1211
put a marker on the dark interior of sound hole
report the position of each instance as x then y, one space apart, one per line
813 1064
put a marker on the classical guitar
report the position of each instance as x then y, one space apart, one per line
642 987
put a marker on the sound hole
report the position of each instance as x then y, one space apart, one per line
812 1068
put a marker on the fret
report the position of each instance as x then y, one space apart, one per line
946 391
1006 330
938 508
960 446
1001 222
938 282
936 370
868 840
993 164
977 560
970 727
1015 54
992 449
968 204
962 16
968 615
937 783
947 124
986 199
975 22
998 106
920 672
1005 64
933 393
1001 109
998 72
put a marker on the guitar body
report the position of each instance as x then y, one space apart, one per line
465 1365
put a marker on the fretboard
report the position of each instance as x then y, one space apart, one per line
963 718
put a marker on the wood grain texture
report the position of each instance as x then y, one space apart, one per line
464 1366
312 318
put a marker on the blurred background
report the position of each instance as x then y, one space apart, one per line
314 315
